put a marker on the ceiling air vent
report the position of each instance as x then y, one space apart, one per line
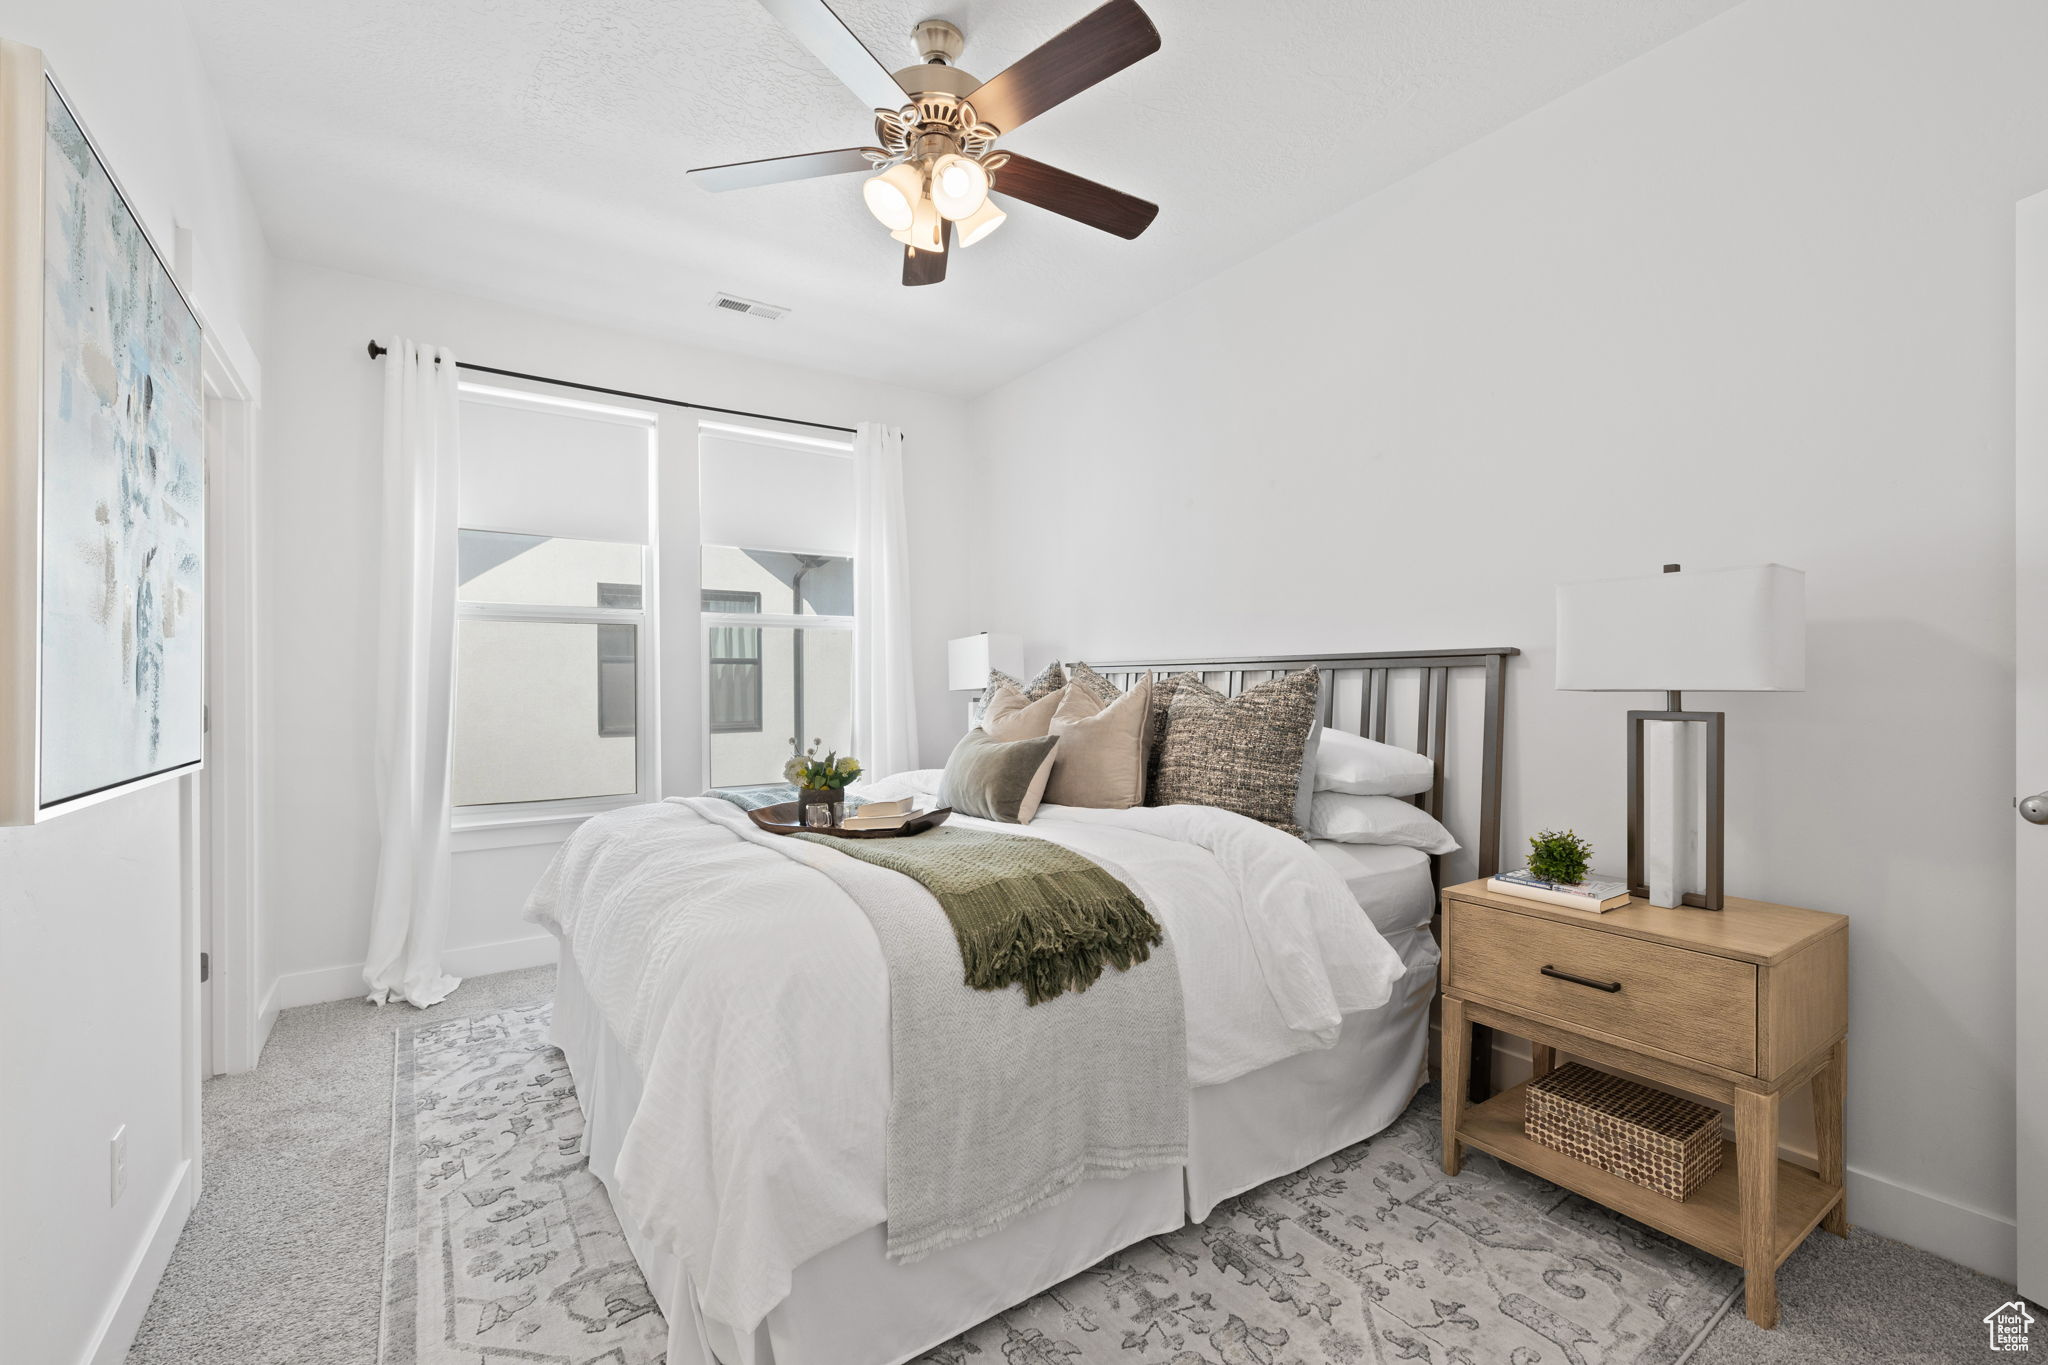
753 308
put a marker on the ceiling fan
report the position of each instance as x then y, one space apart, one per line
938 161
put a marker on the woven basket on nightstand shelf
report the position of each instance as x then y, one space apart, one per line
1645 1136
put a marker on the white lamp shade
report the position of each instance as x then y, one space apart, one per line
979 224
959 185
1713 630
892 196
970 659
927 231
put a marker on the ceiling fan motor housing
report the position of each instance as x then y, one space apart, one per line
934 78
937 40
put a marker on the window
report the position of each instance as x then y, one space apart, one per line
618 665
533 720
735 694
777 585
553 645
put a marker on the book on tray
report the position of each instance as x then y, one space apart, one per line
1594 895
880 815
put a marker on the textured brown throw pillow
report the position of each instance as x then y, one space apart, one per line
1155 739
1094 684
1102 747
1012 715
1242 753
1050 679
994 780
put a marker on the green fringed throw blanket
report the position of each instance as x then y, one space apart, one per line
1026 911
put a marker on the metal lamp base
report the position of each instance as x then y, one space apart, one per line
1716 809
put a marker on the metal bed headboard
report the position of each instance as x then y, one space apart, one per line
1375 674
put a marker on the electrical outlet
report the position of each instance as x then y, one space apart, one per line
117 1164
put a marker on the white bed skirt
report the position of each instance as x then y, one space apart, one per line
851 1305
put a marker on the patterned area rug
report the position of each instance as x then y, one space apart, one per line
502 1247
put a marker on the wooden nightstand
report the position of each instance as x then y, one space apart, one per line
1738 1006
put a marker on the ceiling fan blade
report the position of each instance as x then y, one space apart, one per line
1072 196
774 170
826 36
1093 49
927 267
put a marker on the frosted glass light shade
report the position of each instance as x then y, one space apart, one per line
927 231
892 196
970 658
959 185
1712 630
979 224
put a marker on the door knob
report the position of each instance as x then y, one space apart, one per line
2034 809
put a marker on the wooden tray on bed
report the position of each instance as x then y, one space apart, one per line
787 817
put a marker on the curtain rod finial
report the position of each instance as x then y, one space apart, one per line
375 350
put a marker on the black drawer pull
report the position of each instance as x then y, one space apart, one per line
1609 986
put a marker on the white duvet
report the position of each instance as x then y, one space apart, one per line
752 996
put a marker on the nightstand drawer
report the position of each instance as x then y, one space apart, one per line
1689 1004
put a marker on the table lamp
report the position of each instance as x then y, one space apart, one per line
971 658
1721 630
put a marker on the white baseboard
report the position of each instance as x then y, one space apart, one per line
1974 1237
323 984
511 955
266 1020
318 986
123 1317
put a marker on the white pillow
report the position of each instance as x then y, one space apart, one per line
1348 819
1365 767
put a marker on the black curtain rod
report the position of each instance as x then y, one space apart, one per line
377 350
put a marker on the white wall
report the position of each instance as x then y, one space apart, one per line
320 492
1748 298
93 910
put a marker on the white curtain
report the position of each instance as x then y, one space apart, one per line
884 695
415 683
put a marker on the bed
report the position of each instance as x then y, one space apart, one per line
847 1302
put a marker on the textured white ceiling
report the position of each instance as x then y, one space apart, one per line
533 151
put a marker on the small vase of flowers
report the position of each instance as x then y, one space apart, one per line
821 783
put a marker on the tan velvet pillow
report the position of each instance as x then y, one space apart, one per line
1011 714
1102 748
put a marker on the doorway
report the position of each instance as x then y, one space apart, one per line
2030 749
230 1022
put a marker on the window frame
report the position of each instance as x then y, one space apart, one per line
476 821
768 436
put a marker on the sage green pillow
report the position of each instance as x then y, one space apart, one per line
995 779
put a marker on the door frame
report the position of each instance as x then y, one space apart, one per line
2030 731
228 855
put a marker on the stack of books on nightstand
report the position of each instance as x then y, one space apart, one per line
1594 895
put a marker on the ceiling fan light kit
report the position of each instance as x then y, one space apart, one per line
937 163
893 196
959 186
927 230
979 223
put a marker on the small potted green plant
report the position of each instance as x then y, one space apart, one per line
1560 857
821 783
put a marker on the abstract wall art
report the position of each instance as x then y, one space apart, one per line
111 643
